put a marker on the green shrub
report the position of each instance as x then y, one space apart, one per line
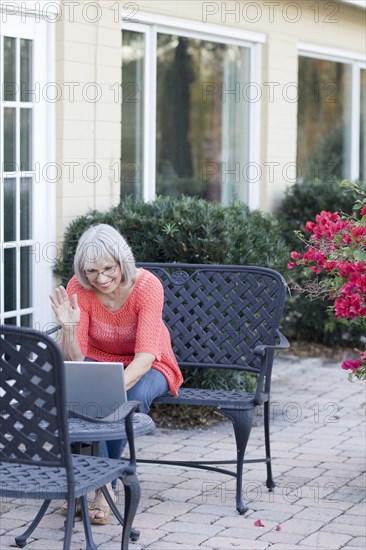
190 230
305 319
303 201
186 229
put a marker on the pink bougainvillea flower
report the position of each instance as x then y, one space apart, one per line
335 253
278 527
258 523
359 233
348 306
347 268
324 218
346 238
316 269
351 365
347 288
327 226
360 282
309 226
314 255
330 265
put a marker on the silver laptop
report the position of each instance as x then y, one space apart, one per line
94 389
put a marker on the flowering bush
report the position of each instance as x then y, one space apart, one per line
337 250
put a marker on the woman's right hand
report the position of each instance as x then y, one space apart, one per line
67 311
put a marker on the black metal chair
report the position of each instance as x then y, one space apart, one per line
35 457
85 433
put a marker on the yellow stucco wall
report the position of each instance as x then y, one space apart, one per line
285 24
87 52
88 125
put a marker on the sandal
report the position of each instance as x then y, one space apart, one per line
100 504
101 508
63 508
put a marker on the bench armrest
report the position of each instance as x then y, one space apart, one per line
283 344
53 329
262 351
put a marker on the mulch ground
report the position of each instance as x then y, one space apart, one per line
308 349
183 417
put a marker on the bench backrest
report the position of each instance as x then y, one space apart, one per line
218 314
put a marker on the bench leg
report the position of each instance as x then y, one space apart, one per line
242 424
267 438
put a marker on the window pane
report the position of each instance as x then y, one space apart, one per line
9 279
10 321
25 139
9 140
25 208
26 321
363 126
9 209
133 51
25 276
25 70
323 119
9 69
202 118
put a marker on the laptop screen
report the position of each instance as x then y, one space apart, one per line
94 389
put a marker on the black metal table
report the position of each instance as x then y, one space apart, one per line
83 432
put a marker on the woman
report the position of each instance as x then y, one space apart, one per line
112 311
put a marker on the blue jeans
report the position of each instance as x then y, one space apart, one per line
151 385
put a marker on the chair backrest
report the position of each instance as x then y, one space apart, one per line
218 314
34 425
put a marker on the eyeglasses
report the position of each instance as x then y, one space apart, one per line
108 271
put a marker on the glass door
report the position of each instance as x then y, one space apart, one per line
26 199
17 181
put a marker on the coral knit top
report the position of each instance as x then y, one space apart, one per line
135 328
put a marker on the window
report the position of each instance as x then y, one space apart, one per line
188 106
331 111
132 113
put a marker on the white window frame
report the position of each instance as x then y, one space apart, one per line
357 62
27 23
150 25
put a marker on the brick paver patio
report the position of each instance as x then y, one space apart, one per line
318 447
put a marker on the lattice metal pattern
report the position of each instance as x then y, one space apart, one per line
218 315
223 398
79 430
51 482
30 408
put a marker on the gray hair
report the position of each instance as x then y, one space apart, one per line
103 243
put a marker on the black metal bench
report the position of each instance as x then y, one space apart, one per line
225 317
